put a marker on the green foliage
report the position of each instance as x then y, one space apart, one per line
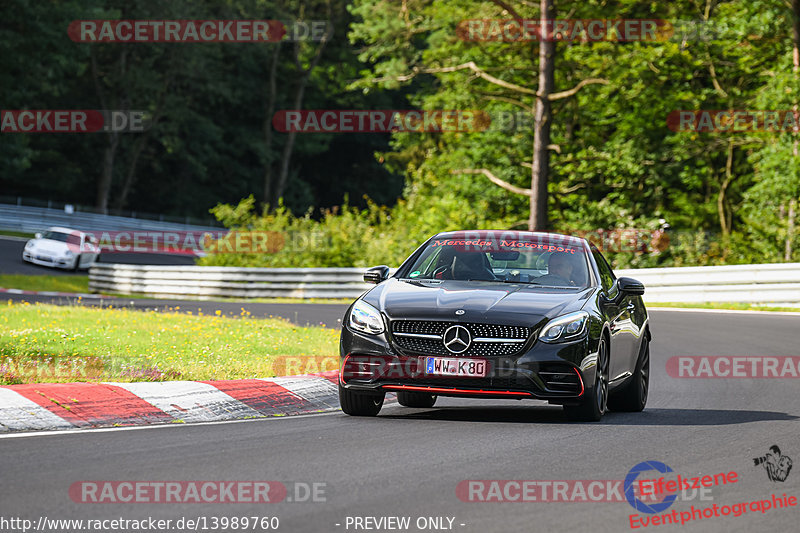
343 236
724 197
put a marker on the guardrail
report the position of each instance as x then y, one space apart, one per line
33 219
770 283
775 283
227 282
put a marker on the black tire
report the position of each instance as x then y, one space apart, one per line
415 399
77 263
357 403
594 404
633 397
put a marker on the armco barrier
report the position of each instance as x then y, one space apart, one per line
227 282
34 219
770 283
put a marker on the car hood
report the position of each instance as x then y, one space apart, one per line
483 302
50 247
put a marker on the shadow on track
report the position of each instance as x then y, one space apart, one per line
555 415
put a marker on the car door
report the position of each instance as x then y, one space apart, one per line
620 320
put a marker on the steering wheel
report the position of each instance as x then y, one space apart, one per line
440 272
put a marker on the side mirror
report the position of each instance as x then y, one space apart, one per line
630 286
376 274
38 236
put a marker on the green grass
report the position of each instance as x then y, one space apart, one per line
736 306
45 282
48 343
17 234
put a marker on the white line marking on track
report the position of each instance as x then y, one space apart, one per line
723 311
17 412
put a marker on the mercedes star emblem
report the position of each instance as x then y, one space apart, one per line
457 339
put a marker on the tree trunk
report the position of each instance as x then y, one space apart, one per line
288 148
107 173
110 152
269 111
723 218
141 141
787 252
542 121
796 34
130 176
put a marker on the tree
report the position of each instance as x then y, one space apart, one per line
430 56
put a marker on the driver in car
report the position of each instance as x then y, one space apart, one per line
472 266
561 269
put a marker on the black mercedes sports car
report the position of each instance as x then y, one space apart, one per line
498 314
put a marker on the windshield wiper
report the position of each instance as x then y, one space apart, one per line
540 285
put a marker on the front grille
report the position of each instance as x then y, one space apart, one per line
424 337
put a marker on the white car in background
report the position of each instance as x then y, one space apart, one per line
62 248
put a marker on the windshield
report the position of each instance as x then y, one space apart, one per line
537 261
56 236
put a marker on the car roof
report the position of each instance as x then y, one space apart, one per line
59 229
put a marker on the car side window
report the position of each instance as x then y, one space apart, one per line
607 277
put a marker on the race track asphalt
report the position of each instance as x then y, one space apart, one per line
408 462
11 260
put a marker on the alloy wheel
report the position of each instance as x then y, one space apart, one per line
601 385
644 374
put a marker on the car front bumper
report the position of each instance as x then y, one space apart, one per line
558 373
47 260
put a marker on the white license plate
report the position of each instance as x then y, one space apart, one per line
446 366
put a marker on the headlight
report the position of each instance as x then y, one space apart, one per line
28 245
68 253
365 318
565 328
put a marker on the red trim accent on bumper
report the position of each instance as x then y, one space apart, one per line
444 390
341 369
580 379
